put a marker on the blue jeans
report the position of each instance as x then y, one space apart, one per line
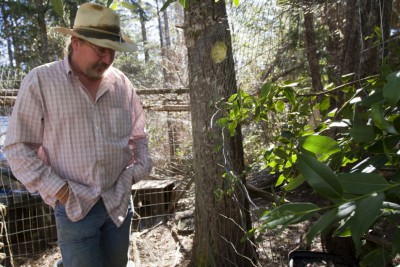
94 241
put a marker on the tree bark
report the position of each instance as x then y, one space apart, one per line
144 37
73 8
221 209
143 19
162 43
41 20
311 47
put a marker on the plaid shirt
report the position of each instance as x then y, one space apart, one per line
58 134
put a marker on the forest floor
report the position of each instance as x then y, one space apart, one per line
164 246
167 243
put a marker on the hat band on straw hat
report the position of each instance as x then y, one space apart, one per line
99 34
101 26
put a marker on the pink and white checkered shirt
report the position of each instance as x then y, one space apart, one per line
58 134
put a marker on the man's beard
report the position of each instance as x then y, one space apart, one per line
96 71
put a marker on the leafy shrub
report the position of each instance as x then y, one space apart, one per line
348 154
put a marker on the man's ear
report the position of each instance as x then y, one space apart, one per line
76 42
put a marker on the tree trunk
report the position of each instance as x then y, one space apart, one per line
360 55
41 20
162 44
168 53
180 53
312 58
311 47
73 8
16 43
351 47
143 19
374 14
221 209
332 18
144 37
7 34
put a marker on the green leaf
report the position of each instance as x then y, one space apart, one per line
321 146
184 3
325 103
371 99
362 183
128 6
391 91
367 211
265 90
389 141
109 2
370 164
58 7
289 93
320 177
379 118
345 209
169 2
362 133
344 214
280 180
236 2
287 134
396 242
373 258
290 213
232 98
294 183
322 224
396 123
280 106
280 153
347 77
232 128
222 122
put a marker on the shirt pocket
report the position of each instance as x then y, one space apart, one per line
120 122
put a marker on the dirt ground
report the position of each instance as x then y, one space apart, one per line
167 242
164 245
159 246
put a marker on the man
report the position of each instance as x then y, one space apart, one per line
76 136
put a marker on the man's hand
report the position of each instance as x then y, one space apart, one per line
63 194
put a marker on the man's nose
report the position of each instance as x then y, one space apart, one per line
109 58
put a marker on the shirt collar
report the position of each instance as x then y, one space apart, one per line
67 66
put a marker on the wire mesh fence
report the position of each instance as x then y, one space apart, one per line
27 224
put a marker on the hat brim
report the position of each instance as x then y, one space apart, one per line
127 46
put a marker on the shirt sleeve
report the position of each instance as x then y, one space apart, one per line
138 142
24 137
143 163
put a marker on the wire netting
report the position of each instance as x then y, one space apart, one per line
27 224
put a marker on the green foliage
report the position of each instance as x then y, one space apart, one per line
340 152
185 4
58 7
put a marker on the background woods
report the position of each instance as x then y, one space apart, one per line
294 113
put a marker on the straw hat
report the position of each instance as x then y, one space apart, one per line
99 25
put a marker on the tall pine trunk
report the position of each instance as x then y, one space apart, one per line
221 218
